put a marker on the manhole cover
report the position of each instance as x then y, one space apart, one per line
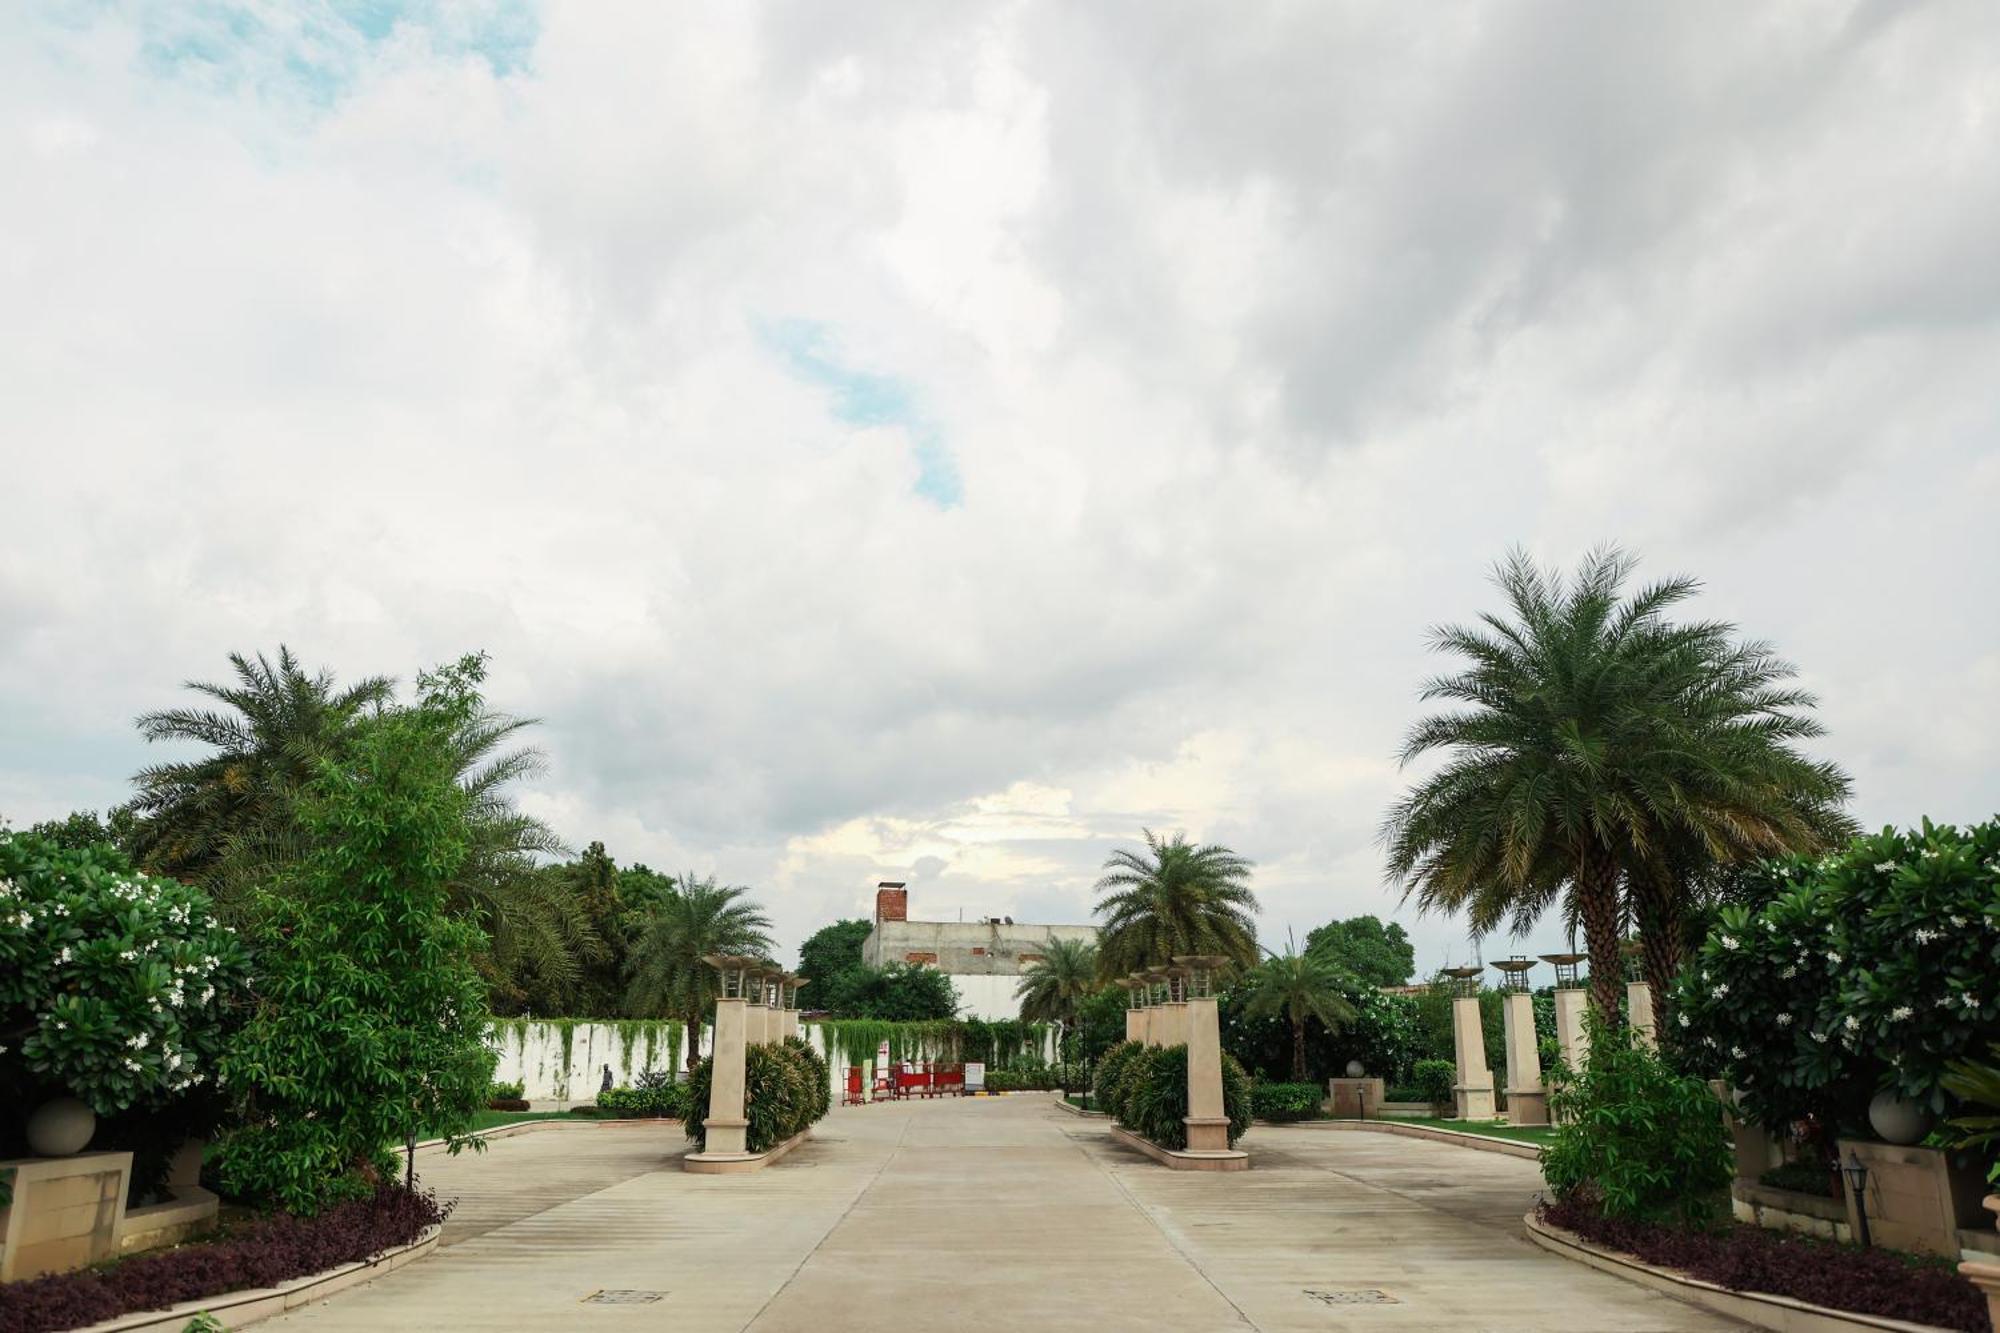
622 1297
1352 1296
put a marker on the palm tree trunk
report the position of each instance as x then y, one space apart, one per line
1597 904
1298 1050
1660 939
694 1039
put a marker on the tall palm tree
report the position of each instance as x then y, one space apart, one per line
1052 987
1175 897
1600 747
673 926
201 820
1297 987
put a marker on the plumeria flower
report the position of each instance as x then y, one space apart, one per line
1900 1012
1923 936
1736 1051
1819 1037
1956 920
1853 1023
1832 957
1729 941
1886 867
1720 991
1788 973
1784 1020
1684 1020
1969 1000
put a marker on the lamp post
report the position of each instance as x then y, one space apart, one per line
1570 1002
1527 1102
725 1122
1856 1172
1473 1093
1201 1029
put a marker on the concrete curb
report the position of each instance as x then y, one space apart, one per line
1756 1308
1231 1160
234 1309
1481 1142
530 1126
731 1164
1063 1105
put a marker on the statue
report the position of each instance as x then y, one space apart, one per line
606 1085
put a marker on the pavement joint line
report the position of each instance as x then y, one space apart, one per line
1132 1200
833 1226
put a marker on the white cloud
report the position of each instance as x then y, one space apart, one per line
1253 333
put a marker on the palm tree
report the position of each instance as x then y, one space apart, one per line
674 925
1601 748
203 820
1176 897
1056 983
1299 986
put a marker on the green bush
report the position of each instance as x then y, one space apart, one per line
1108 1091
1285 1101
505 1092
1637 1140
785 1091
652 1095
1153 1092
1433 1081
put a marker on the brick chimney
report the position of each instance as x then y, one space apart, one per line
892 901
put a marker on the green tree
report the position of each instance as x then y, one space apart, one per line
81 829
1054 988
1175 897
674 926
368 1020
1299 987
900 993
1378 954
829 959
1594 738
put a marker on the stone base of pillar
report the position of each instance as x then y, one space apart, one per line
724 1136
1474 1101
1225 1159
1527 1107
1206 1135
734 1163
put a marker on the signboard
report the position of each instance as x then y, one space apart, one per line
975 1076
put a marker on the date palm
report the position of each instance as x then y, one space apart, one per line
674 924
1053 986
1299 987
1601 754
1174 897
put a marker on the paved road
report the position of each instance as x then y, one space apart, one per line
1002 1212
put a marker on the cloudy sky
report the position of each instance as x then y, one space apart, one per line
936 441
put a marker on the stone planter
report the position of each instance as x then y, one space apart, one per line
1917 1197
61 1128
1897 1119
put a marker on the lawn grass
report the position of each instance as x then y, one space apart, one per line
494 1119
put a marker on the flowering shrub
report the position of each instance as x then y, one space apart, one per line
115 987
262 1253
1871 968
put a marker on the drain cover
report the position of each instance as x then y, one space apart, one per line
615 1297
1353 1296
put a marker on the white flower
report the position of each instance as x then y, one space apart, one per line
1832 957
1784 1020
1736 1051
1969 1000
1886 867
1956 920
1853 1023
1819 1037
1788 973
1729 941
1923 936
1900 1012
207 994
1684 1020
1930 855
62 954
1720 991
61 1025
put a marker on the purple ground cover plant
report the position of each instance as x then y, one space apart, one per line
258 1253
1747 1258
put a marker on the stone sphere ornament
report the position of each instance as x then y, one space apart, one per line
1355 1069
61 1128
1898 1119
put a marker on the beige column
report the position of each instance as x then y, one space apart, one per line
754 1014
1639 1013
1527 1101
1179 1025
1207 1123
1570 1004
726 1121
1986 1277
1135 1025
1473 1092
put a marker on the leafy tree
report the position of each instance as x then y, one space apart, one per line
82 829
369 1016
1051 989
1175 897
899 993
1299 987
674 926
1596 740
829 959
1378 954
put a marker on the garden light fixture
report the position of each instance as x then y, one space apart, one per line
1565 966
1856 1172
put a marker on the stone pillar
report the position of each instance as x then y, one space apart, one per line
1639 1013
1207 1122
1135 1025
1527 1100
726 1121
1473 1092
1986 1277
1570 1004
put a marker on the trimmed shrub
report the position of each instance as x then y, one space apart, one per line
506 1092
1748 1258
1637 1139
1155 1101
1110 1070
260 1253
653 1094
785 1090
1285 1101
1433 1081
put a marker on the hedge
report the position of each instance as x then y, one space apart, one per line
786 1089
1285 1101
1152 1096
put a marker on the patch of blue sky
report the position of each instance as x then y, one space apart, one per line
313 52
864 398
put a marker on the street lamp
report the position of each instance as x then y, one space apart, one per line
1201 970
1856 1172
1565 966
1464 981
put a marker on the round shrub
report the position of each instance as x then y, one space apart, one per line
818 1075
1281 1102
1155 1096
785 1090
115 987
1109 1070
1433 1080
